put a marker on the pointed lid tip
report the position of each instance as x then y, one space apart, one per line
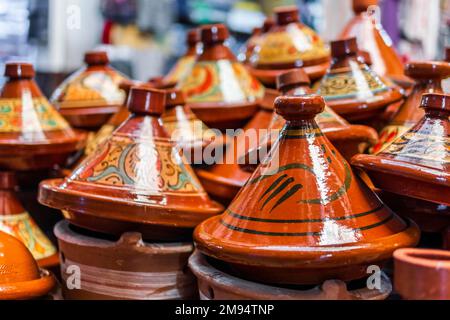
19 70
213 33
146 100
362 5
174 97
96 58
286 15
435 101
299 107
427 69
7 180
193 37
293 78
344 47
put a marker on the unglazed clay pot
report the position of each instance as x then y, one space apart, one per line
417 163
184 65
422 274
219 89
15 221
371 37
135 181
304 217
215 284
289 44
123 269
33 135
89 97
20 275
428 76
352 88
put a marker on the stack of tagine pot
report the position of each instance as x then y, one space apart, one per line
302 226
352 89
135 187
286 45
372 38
219 89
224 180
21 277
89 97
415 170
34 139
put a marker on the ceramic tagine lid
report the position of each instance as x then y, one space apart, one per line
417 164
289 44
304 217
15 221
184 65
352 88
371 37
20 275
91 95
135 181
33 135
219 89
254 42
428 76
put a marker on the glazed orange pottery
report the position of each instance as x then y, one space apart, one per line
184 65
289 44
351 88
371 37
89 97
304 217
219 89
135 181
20 275
126 268
33 135
417 163
15 221
428 76
422 274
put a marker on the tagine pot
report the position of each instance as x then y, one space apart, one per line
21 278
428 76
216 284
184 65
90 96
422 274
126 268
15 221
304 217
286 45
254 42
371 37
33 135
136 181
352 89
219 89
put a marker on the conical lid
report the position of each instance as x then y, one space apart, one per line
135 181
33 135
20 275
15 221
304 217
352 88
254 42
428 76
417 164
371 37
289 44
91 95
219 89
184 65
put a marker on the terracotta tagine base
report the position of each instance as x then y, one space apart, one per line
21 278
123 269
422 274
215 284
